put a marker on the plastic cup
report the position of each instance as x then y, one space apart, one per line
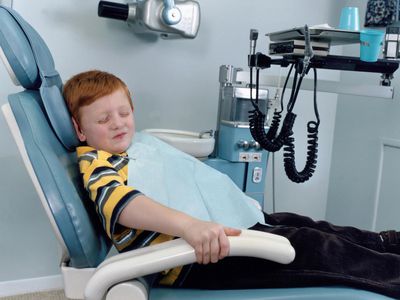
349 19
370 44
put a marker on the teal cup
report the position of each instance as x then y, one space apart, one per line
349 19
370 44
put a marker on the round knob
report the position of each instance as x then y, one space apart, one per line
243 144
171 16
255 145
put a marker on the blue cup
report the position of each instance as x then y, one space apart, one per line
349 19
370 44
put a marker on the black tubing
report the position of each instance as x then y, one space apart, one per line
311 162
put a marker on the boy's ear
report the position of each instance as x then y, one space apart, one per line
79 133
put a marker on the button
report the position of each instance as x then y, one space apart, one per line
257 175
244 157
256 157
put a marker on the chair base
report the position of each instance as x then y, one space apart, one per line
75 280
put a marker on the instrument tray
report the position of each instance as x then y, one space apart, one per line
331 35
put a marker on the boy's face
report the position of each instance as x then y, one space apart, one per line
107 124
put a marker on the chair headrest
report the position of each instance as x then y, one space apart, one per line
17 53
31 62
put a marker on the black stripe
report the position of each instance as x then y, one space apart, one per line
110 190
88 157
118 208
98 171
123 161
142 240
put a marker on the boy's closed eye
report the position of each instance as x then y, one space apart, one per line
103 120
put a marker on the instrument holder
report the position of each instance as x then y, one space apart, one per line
331 62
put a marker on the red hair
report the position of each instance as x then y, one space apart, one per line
86 87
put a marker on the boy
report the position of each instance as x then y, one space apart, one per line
102 114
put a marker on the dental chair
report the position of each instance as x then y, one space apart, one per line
40 124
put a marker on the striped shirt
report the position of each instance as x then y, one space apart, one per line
105 178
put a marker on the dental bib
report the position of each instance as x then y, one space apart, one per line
180 181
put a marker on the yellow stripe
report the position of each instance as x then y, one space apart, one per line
83 165
170 275
103 155
121 247
101 182
83 149
124 172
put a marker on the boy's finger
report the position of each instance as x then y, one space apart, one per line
232 231
214 250
199 254
224 246
206 253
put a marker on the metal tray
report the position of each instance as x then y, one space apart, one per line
333 36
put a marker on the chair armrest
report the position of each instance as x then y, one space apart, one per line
153 259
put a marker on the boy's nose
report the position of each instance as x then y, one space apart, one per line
116 123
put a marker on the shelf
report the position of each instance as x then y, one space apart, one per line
345 63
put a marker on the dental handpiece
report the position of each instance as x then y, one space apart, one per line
308 50
253 42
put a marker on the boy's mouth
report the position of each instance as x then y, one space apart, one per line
119 136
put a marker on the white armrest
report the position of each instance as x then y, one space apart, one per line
157 258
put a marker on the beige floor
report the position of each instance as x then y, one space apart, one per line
51 295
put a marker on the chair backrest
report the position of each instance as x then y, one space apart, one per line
49 140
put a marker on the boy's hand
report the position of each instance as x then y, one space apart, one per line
209 240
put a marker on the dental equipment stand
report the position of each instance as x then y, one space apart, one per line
236 153
281 135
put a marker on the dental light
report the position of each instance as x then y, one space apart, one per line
169 19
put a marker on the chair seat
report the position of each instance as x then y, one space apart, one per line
313 293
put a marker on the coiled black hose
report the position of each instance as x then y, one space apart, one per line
269 141
289 151
311 162
257 121
272 142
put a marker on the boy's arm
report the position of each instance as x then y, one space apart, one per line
118 203
208 239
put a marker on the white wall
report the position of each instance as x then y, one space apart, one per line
365 160
175 85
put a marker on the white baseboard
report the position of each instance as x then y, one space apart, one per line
31 285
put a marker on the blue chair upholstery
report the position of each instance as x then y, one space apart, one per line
48 138
32 63
58 176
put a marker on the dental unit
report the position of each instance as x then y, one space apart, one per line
273 139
